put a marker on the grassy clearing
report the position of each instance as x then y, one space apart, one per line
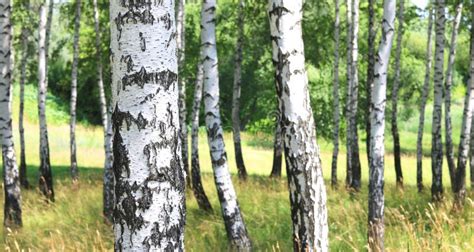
74 221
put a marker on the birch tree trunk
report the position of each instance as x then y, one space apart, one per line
447 96
46 176
349 93
370 71
355 159
424 99
23 62
108 186
436 141
49 22
75 61
149 210
198 189
335 94
11 186
471 156
277 146
306 185
180 38
376 228
239 159
459 186
395 88
234 223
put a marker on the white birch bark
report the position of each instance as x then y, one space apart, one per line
235 227
46 177
349 92
424 99
436 140
377 118
370 70
306 185
335 94
108 186
395 88
149 210
75 61
23 63
11 181
447 95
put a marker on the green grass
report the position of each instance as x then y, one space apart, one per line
74 221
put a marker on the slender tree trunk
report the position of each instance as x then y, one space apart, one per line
335 94
180 38
11 181
239 159
349 93
75 61
306 184
424 99
46 176
198 189
370 71
355 159
149 210
277 147
471 156
447 96
459 186
376 228
107 125
234 223
396 87
436 141
23 62
49 22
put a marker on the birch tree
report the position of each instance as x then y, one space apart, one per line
180 37
149 180
75 61
436 141
424 99
349 92
376 228
459 186
447 95
11 182
395 88
306 185
108 187
239 159
234 223
23 62
335 94
46 176
198 189
370 70
277 146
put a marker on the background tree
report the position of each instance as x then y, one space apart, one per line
349 171
336 97
376 228
11 182
372 32
277 146
306 185
149 180
235 226
436 141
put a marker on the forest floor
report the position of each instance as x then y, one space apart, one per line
74 221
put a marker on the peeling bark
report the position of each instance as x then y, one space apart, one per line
198 189
180 38
23 62
46 176
149 212
306 185
72 126
376 224
424 99
239 159
436 140
335 93
447 96
395 88
11 180
234 223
